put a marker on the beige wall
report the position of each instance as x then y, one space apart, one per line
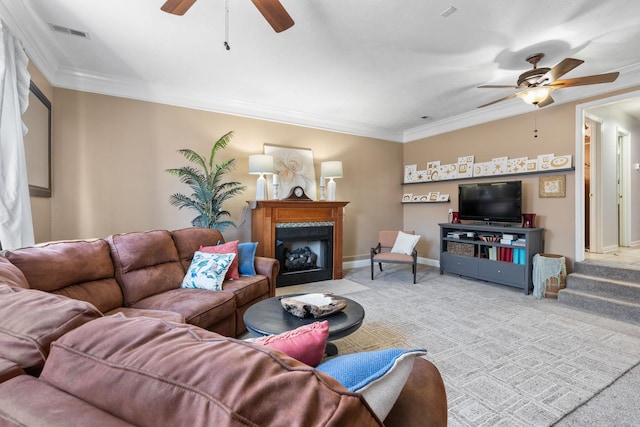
512 137
110 156
41 206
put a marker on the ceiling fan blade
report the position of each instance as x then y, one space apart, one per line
562 68
177 7
275 14
587 80
497 87
513 95
547 101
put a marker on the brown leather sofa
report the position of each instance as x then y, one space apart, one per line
139 274
63 362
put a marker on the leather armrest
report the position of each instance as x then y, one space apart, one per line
268 267
423 400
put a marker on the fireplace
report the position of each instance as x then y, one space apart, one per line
305 237
304 251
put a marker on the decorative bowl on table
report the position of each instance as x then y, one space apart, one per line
313 305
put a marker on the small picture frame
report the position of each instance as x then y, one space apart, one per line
433 196
407 197
443 198
552 186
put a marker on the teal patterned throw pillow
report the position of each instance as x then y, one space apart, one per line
207 271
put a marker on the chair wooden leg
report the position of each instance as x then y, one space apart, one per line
380 265
414 273
371 269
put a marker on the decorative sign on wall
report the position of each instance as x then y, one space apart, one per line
434 196
467 168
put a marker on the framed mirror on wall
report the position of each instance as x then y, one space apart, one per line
37 142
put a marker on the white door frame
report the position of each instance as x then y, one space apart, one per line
625 190
595 204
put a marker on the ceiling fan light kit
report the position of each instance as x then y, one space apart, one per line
535 95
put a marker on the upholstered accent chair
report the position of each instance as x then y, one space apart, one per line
382 253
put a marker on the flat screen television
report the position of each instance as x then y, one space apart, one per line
490 202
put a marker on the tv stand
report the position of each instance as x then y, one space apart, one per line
502 263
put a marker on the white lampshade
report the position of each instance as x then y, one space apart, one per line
260 164
331 169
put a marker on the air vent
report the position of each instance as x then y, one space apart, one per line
69 31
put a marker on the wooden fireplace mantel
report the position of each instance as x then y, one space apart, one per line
266 214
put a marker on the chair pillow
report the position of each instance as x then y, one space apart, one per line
246 258
226 248
207 271
306 343
405 243
378 375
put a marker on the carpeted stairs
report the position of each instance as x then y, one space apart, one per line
610 290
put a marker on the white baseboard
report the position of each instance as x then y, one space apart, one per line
634 243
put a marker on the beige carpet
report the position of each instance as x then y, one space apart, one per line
507 359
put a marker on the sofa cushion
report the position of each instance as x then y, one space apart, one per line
247 288
11 275
146 264
246 258
169 316
226 248
27 401
194 377
32 320
207 271
199 307
189 240
80 270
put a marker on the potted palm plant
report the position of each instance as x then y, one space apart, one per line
209 191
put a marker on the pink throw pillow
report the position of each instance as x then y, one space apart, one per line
226 248
306 343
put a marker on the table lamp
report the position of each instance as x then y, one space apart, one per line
261 164
331 170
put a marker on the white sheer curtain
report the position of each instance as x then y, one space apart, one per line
16 226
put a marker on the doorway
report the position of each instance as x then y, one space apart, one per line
604 196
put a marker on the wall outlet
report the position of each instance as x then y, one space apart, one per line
450 211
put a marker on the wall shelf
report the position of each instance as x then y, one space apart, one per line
466 178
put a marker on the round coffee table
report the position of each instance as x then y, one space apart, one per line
269 318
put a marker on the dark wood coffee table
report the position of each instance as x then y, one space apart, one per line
269 318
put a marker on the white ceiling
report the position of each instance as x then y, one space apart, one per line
365 67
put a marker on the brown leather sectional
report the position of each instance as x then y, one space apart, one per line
139 274
64 362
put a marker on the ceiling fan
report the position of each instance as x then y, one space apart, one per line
537 84
272 10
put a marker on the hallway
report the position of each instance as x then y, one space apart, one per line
624 255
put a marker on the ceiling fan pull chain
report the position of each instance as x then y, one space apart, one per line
226 25
535 123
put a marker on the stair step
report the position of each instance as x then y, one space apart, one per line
605 287
611 307
623 272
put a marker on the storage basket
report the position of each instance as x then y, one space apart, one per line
464 249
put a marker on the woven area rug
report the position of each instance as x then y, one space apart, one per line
507 359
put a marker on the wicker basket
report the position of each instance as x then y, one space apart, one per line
464 249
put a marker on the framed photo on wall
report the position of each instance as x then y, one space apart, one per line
552 186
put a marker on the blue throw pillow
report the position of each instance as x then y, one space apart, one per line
378 375
246 258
